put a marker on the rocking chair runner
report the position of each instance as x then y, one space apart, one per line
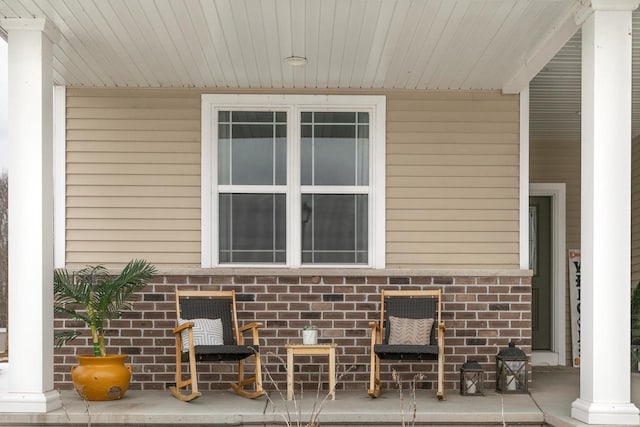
191 308
411 308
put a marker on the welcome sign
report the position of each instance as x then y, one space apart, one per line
574 294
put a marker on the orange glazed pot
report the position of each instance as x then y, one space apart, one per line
101 378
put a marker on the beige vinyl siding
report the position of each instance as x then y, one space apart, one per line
554 161
452 180
133 178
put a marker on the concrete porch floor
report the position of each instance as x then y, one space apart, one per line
551 393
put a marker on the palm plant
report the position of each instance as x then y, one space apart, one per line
94 296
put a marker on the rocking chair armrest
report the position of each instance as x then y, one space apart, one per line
441 326
252 325
375 329
376 333
182 327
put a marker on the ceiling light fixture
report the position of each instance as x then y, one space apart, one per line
295 61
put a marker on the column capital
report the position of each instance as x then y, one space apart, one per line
33 24
615 5
585 10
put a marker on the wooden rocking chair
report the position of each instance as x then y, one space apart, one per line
417 311
210 344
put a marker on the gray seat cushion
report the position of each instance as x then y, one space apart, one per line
406 352
214 353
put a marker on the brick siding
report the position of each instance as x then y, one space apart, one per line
481 315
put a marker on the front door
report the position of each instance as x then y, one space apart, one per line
540 262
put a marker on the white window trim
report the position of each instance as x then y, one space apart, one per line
292 104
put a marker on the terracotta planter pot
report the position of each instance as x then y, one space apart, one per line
101 378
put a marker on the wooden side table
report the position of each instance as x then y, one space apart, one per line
312 350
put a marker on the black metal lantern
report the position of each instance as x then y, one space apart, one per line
511 370
471 379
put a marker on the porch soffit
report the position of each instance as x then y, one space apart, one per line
555 92
349 44
361 44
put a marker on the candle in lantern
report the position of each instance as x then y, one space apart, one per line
471 387
511 382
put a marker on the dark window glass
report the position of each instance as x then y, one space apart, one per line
251 151
334 149
252 228
334 228
252 116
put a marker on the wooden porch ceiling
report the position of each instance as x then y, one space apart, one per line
370 44
350 44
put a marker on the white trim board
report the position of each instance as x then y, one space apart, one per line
557 192
59 175
524 178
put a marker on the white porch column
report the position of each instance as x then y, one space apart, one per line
30 372
606 216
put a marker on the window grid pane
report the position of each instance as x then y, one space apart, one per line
334 228
251 148
334 148
252 228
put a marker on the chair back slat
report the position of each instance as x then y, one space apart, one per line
210 308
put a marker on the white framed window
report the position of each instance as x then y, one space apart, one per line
293 180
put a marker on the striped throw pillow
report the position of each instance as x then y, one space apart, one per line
205 332
406 331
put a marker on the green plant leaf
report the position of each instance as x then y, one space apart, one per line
62 338
94 296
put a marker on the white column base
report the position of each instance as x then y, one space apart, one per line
605 413
30 402
25 402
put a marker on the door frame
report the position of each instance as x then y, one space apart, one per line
558 194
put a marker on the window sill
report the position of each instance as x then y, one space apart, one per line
346 271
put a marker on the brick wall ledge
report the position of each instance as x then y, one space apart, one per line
497 272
